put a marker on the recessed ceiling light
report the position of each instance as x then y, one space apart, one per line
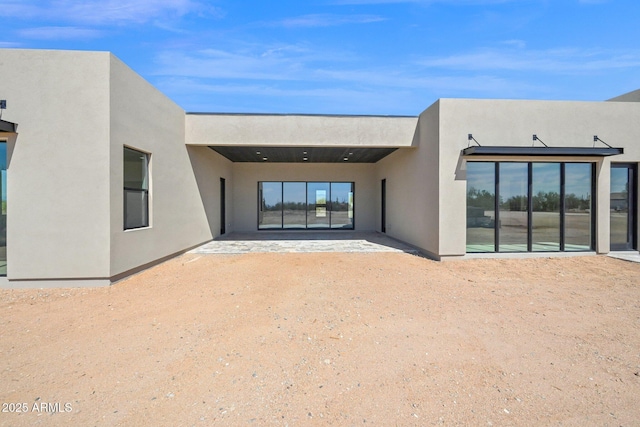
305 159
304 152
257 152
345 159
351 154
264 158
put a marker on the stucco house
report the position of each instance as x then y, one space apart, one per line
103 175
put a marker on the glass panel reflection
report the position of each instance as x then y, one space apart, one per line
513 207
270 212
619 206
342 205
294 205
481 198
136 209
577 205
545 195
317 207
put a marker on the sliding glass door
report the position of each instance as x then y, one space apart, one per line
623 218
529 206
270 209
545 207
341 205
317 212
512 190
305 205
293 205
481 205
577 207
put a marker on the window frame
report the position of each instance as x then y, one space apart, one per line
563 211
146 192
306 228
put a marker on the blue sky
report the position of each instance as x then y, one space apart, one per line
389 57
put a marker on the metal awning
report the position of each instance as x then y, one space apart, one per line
7 127
302 154
542 151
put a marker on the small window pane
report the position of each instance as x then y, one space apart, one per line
135 169
136 209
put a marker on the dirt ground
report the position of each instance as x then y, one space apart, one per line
330 339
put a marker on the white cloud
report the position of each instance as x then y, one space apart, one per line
519 44
451 2
326 20
294 64
272 97
268 64
6 45
563 61
59 33
99 12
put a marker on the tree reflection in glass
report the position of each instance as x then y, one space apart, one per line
513 218
545 201
577 205
481 206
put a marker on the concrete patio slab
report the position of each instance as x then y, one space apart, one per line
303 241
633 256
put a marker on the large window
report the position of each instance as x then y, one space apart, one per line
3 211
136 189
529 206
305 205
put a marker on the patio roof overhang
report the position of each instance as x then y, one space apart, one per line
7 127
262 154
542 151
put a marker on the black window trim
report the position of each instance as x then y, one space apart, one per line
593 210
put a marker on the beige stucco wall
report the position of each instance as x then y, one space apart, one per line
75 111
145 119
412 187
247 175
299 130
58 214
208 167
512 123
